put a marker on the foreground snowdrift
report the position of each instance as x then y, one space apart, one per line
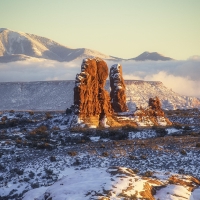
118 183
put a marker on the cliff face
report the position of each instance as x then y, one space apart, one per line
91 100
118 89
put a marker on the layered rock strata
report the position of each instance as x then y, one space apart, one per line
91 100
118 89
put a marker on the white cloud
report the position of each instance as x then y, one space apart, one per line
181 76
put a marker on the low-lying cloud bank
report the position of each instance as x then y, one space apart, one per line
181 76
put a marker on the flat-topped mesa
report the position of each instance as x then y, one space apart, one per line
118 89
91 100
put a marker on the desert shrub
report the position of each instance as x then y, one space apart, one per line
1 167
148 174
131 157
79 130
35 185
198 144
135 171
194 134
105 154
18 159
77 162
143 157
48 115
56 128
31 113
48 171
19 115
17 171
31 174
4 118
44 145
12 123
72 153
177 125
183 152
186 128
68 111
161 132
129 128
114 134
52 158
42 130
181 171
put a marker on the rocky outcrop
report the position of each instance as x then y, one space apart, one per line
93 106
153 115
91 100
155 107
118 89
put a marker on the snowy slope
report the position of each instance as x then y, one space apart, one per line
58 95
114 183
14 43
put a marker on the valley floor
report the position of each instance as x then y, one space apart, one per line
37 149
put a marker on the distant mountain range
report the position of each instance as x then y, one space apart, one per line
151 56
15 46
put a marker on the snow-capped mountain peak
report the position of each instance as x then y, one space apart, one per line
14 43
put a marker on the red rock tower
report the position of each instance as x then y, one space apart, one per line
91 100
118 89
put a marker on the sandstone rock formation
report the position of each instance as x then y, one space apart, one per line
118 89
153 115
93 106
91 100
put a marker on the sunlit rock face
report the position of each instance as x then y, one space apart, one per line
118 89
91 100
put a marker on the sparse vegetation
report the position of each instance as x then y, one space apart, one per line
183 152
48 115
198 144
31 113
40 131
105 154
72 153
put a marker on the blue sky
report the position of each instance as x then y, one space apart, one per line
123 28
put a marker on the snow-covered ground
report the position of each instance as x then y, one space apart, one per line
57 155
58 95
115 183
